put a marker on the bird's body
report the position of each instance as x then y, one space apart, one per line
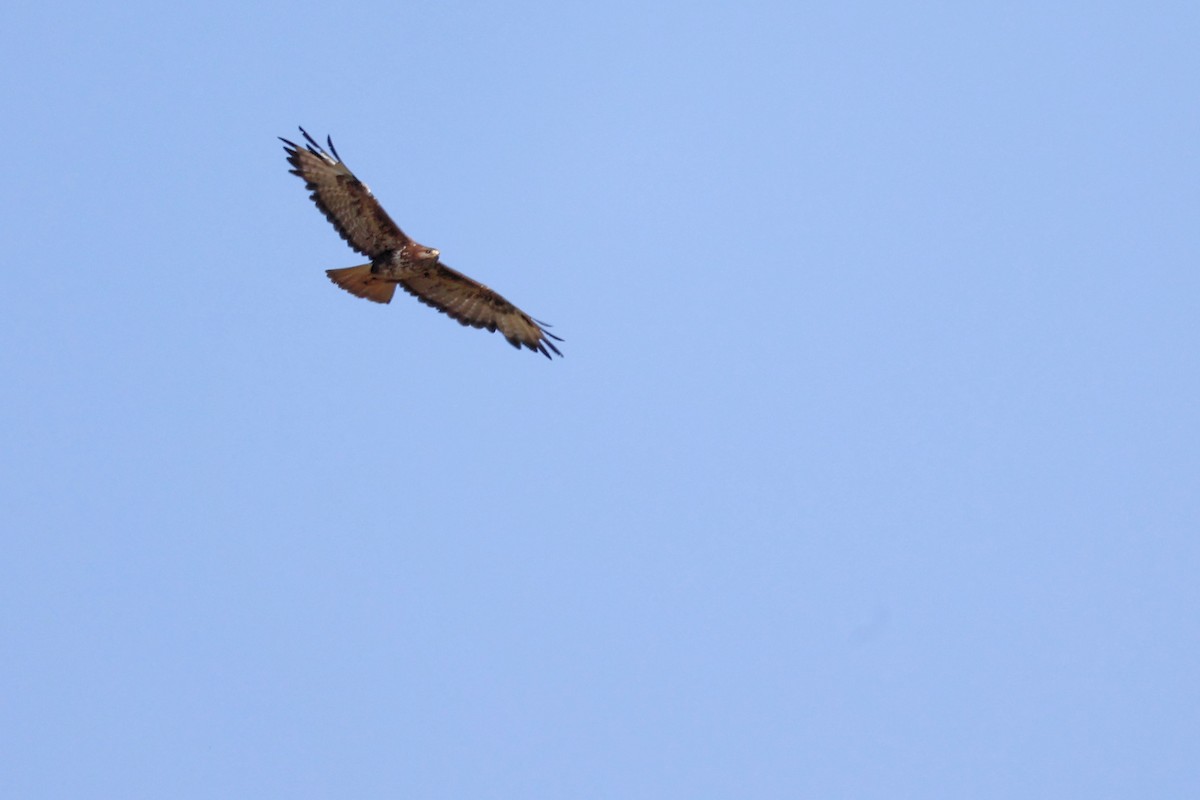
397 260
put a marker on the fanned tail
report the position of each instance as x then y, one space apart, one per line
360 281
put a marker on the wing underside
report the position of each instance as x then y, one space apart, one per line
471 303
344 200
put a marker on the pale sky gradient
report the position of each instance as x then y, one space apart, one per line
872 469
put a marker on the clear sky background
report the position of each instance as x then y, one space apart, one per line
872 469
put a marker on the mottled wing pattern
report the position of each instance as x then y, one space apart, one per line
344 199
474 304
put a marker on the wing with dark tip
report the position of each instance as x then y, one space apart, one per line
474 304
344 199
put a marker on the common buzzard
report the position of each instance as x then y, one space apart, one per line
396 259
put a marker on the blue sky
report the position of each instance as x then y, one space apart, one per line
872 468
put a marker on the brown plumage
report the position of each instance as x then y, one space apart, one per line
396 259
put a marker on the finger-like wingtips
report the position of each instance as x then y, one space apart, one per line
314 147
545 342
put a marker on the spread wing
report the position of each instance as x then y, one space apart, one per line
474 304
344 199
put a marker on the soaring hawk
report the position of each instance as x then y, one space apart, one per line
396 259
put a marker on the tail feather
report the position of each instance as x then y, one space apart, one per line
362 282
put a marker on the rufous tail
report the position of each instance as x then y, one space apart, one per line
361 282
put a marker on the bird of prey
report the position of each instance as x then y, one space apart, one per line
396 259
